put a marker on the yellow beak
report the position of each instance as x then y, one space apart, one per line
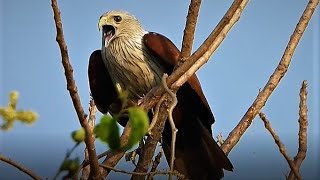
104 20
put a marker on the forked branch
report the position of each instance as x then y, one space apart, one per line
280 145
274 80
73 91
303 127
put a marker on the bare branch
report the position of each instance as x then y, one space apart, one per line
152 141
85 173
189 30
219 33
155 114
203 53
92 113
71 85
303 125
274 80
281 146
110 168
92 121
217 36
114 157
73 91
140 173
20 167
155 163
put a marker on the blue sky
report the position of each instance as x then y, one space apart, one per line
30 63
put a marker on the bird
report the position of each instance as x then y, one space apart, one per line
134 60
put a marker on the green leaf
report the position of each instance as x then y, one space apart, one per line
108 131
139 121
71 165
78 135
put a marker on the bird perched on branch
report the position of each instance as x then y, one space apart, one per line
134 60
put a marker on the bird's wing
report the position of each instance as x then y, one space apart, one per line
102 89
197 154
167 52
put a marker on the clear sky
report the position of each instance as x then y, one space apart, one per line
30 63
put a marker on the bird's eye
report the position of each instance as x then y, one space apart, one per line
117 18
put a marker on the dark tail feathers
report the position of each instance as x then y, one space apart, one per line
198 156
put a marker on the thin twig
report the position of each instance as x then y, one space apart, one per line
165 172
92 121
174 130
155 163
92 113
280 145
67 156
220 139
106 153
114 157
85 163
274 80
85 173
131 156
20 167
151 142
155 114
72 88
303 127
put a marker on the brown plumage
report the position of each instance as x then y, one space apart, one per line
134 60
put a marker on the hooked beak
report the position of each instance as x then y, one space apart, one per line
108 31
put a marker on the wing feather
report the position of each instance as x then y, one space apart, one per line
102 89
168 53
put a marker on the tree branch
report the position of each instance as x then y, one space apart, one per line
152 141
114 157
303 125
155 163
92 121
217 36
189 30
20 167
219 33
281 146
156 114
110 168
274 80
204 52
73 91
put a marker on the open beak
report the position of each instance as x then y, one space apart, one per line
108 31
